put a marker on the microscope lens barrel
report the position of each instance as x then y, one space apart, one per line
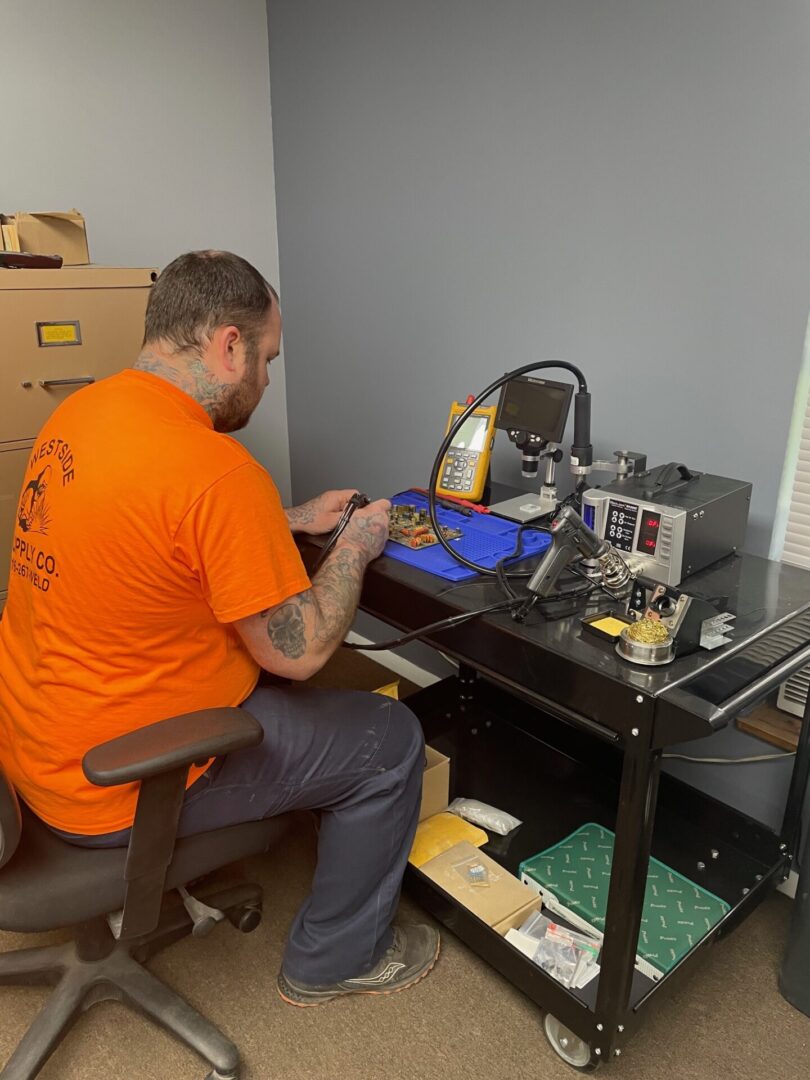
581 448
529 465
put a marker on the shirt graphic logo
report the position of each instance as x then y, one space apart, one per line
33 514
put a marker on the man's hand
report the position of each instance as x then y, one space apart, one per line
321 514
367 529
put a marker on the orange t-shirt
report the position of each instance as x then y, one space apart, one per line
141 534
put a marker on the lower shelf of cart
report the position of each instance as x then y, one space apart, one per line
554 779
514 965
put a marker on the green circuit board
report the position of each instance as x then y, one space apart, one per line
412 528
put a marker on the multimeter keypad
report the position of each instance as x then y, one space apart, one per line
459 470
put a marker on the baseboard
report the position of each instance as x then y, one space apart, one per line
788 886
406 668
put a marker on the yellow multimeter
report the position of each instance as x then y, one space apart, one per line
464 469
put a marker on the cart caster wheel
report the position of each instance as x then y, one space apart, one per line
573 1050
246 918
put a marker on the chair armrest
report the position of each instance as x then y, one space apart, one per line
158 748
158 756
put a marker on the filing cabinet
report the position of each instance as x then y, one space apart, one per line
59 331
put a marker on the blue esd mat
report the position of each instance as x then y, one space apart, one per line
487 538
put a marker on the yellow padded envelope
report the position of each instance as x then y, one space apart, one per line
439 833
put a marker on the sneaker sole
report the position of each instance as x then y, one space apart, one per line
367 993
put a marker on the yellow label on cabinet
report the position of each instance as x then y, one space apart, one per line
62 333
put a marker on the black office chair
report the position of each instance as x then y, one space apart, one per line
115 898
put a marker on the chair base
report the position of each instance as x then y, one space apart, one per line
95 967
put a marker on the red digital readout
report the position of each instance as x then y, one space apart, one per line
648 533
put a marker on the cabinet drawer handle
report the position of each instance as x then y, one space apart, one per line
80 380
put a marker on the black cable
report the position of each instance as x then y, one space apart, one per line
528 602
448 439
531 599
431 628
500 571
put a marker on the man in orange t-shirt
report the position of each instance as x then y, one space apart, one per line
154 573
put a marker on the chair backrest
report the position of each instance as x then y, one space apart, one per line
10 820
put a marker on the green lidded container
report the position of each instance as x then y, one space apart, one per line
574 878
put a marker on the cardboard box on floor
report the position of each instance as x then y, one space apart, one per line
50 232
502 904
435 784
436 779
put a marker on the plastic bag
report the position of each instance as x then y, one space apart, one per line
488 817
568 956
473 872
558 959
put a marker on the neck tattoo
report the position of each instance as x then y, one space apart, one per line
189 374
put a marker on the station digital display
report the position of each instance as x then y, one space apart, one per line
648 533
621 524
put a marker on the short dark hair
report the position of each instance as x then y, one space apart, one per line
202 290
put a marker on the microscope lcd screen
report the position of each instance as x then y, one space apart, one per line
538 406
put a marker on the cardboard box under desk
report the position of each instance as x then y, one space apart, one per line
501 904
435 784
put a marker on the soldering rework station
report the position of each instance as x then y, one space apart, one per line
636 539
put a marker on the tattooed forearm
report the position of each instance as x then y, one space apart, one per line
337 589
320 616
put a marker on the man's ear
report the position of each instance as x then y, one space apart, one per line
224 344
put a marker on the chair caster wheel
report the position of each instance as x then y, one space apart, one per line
214 1075
246 918
203 927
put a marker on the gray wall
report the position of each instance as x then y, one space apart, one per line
467 186
153 119
464 187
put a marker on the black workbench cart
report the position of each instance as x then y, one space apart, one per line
550 724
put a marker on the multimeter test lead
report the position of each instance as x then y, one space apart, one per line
450 502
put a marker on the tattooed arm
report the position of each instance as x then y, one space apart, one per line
297 637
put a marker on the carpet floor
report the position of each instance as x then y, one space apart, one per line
463 1022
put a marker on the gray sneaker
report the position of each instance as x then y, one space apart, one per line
412 954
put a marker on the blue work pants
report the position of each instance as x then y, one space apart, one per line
356 757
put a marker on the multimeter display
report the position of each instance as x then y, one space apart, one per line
621 524
466 463
472 435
